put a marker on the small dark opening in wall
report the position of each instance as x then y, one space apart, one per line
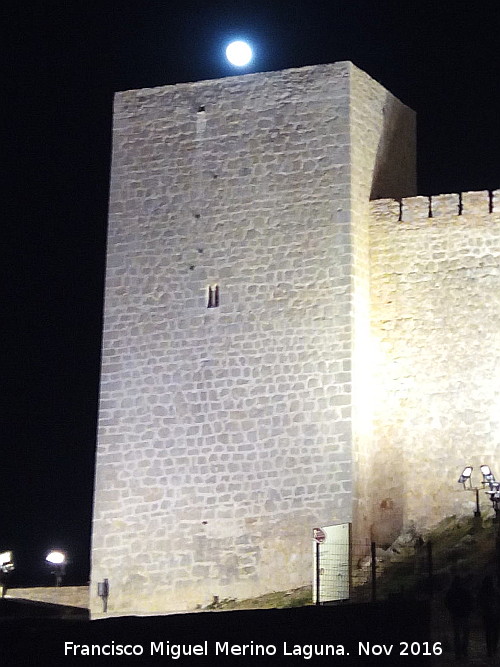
213 296
201 109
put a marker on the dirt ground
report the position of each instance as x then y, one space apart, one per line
441 631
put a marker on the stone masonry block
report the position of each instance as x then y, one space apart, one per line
475 203
445 205
415 209
385 209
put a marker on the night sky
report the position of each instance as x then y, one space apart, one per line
63 62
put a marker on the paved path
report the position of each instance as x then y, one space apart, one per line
442 632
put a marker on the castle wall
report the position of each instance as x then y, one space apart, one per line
435 311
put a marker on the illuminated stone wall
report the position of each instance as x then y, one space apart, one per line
435 290
382 160
226 433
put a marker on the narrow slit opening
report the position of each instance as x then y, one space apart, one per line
213 296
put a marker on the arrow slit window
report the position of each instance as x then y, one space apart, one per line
213 296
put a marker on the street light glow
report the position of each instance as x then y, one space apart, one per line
6 561
5 557
56 557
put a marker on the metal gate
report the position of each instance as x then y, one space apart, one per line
332 563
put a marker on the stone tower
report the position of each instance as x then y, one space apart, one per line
231 413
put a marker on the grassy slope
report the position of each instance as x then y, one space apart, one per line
464 546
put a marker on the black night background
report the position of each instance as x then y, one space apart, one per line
63 62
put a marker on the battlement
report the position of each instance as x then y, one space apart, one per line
414 209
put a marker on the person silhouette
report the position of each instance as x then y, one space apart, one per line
459 602
489 607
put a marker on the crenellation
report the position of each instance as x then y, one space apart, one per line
445 205
475 203
385 210
414 209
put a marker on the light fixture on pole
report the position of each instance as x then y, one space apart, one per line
463 479
494 493
488 476
488 480
6 567
466 476
6 561
494 487
57 561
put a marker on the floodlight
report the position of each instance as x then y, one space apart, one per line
6 561
56 557
466 477
57 560
488 480
494 489
488 476
494 494
467 472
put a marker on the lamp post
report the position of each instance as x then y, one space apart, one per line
494 488
488 481
465 478
493 491
6 567
57 561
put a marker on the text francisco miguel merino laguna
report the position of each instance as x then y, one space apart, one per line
306 651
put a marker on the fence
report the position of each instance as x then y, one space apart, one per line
363 572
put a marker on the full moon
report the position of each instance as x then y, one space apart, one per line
239 53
